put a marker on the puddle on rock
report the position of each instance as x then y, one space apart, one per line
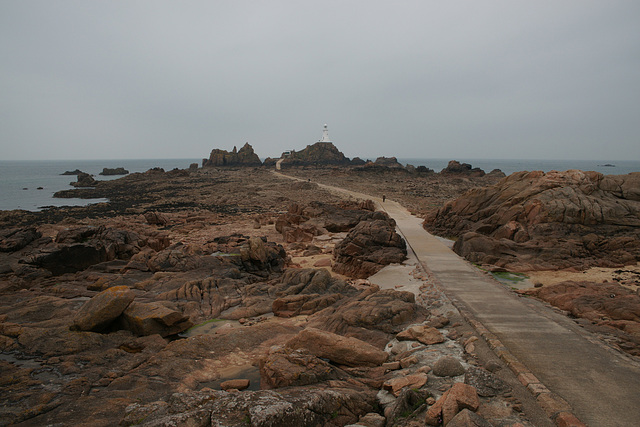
245 372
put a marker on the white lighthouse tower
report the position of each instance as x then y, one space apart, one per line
325 135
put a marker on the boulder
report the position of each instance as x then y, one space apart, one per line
153 318
101 310
368 248
318 154
460 396
425 334
338 349
448 366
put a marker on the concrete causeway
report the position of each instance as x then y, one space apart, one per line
567 369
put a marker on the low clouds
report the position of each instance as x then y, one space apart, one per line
156 79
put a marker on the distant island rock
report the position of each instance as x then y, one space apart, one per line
243 157
75 172
114 171
607 165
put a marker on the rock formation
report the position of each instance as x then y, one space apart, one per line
243 157
318 154
537 220
84 180
368 247
114 171
456 168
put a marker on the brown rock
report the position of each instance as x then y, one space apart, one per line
448 366
425 334
285 367
338 349
554 220
466 418
395 385
153 318
239 384
368 247
101 310
459 396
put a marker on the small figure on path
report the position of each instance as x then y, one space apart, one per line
384 198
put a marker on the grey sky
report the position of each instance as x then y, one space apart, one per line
431 79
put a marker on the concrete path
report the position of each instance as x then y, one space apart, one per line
566 368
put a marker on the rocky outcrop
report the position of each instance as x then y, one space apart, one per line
114 171
611 308
243 157
374 315
456 168
153 318
539 221
368 248
287 367
14 239
84 180
318 154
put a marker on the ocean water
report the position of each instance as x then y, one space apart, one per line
19 180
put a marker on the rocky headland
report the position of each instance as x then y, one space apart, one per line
231 296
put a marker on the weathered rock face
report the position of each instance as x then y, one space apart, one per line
368 247
243 157
537 220
613 309
318 154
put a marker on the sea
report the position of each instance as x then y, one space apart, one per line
30 185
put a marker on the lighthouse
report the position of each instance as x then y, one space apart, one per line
325 135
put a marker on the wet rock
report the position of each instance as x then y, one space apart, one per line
422 333
338 349
101 310
448 366
114 171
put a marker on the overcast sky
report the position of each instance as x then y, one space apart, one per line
428 79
